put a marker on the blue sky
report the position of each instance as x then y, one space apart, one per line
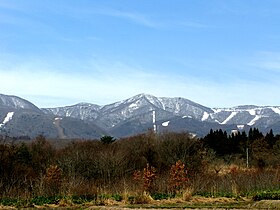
218 53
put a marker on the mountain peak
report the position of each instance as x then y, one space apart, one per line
16 102
143 95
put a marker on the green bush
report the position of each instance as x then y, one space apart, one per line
117 197
161 196
267 195
83 198
42 200
9 201
216 195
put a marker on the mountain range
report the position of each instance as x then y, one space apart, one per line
20 118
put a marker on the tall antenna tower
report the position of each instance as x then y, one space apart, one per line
154 121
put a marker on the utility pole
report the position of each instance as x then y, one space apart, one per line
247 157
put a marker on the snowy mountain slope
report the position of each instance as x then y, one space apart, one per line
140 106
246 115
143 104
19 118
196 127
83 111
138 109
130 116
111 115
7 119
17 103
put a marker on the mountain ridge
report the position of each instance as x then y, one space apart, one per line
241 116
132 116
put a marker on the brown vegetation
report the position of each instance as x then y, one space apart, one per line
156 164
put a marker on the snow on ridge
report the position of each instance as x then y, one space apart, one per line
205 116
7 118
275 109
216 110
17 102
162 103
252 112
165 124
253 121
229 118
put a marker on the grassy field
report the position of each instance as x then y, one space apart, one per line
143 201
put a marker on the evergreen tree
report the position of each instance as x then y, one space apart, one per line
270 138
107 139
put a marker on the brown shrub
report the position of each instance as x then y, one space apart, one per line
178 177
53 179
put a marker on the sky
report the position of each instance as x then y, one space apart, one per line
219 53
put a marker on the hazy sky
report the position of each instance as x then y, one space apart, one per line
218 53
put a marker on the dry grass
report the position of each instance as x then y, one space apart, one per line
195 202
266 204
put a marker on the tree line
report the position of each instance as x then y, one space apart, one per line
263 150
40 167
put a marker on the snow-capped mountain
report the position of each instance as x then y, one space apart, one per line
130 116
16 103
134 115
139 106
20 118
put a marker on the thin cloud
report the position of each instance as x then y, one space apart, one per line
147 21
192 24
131 16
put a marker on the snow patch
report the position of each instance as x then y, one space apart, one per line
215 110
252 112
165 124
193 135
187 117
218 121
177 108
133 106
240 127
229 118
68 113
58 118
253 121
234 132
205 116
7 118
276 110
